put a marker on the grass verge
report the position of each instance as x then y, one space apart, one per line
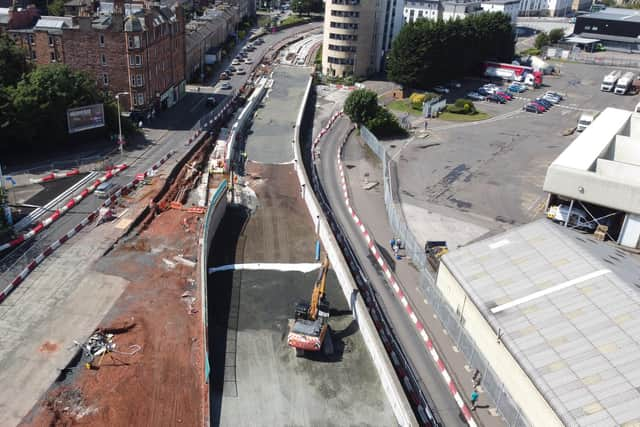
403 106
452 117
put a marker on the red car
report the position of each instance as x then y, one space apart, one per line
505 95
533 108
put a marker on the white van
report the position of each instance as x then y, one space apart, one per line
584 121
578 218
106 189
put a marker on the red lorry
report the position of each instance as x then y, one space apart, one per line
512 72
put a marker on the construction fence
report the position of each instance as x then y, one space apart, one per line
415 250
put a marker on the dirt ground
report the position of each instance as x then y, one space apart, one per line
162 383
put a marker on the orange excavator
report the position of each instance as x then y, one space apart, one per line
311 320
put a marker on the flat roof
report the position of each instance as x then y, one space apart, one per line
583 152
568 308
615 14
580 40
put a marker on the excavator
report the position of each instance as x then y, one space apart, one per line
311 319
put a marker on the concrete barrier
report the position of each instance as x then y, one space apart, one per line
390 383
215 211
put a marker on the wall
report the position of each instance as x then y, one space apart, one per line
215 212
533 405
388 378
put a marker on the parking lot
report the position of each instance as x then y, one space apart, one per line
464 180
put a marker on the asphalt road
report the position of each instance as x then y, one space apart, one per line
430 378
167 131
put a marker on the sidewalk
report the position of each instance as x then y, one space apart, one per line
363 166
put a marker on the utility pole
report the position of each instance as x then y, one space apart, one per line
120 138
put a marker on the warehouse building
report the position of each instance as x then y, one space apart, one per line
551 319
599 174
617 29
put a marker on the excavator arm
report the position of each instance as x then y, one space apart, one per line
318 290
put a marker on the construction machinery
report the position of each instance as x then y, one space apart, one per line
434 249
311 319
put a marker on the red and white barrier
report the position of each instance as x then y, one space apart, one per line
323 131
93 215
55 175
391 280
64 209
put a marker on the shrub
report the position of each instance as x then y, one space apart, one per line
385 125
416 100
462 106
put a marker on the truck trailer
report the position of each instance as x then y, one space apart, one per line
610 80
624 83
512 72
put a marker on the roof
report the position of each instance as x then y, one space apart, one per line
568 308
500 1
610 37
54 23
581 40
614 14
583 152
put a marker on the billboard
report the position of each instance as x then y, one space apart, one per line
87 117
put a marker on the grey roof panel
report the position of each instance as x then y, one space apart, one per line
580 345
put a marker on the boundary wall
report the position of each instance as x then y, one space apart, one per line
215 211
491 382
393 389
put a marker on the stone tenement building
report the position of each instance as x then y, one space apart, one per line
141 53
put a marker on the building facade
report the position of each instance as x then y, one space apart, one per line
421 9
616 28
508 7
460 9
142 54
545 7
357 34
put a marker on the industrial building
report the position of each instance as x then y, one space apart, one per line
599 173
616 28
551 319
357 35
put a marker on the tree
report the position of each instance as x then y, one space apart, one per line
13 64
361 106
56 8
556 35
542 40
385 125
427 52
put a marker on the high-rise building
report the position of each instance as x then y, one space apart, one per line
357 35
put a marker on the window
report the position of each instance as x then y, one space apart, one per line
350 37
31 39
140 98
342 48
351 2
345 13
137 80
105 79
138 60
135 60
52 55
340 61
103 59
50 41
33 54
134 42
344 25
101 40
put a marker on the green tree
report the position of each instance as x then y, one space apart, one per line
385 125
542 40
56 8
13 64
427 52
301 6
556 35
361 106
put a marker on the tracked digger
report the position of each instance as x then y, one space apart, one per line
309 331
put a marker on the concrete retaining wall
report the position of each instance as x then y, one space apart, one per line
215 212
391 385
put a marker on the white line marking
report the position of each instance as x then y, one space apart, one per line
303 267
499 244
550 290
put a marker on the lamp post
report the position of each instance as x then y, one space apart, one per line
120 139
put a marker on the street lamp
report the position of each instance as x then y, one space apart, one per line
120 139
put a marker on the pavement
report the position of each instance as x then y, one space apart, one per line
48 297
256 378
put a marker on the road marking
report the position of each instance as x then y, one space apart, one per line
302 267
550 290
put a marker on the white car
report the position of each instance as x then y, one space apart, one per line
235 62
440 89
248 61
475 96
551 98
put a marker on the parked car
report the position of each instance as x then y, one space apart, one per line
106 189
224 76
533 108
241 72
225 86
577 219
491 88
556 94
482 91
248 61
540 105
551 98
503 94
232 68
475 96
517 88
547 104
440 89
497 99
211 101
